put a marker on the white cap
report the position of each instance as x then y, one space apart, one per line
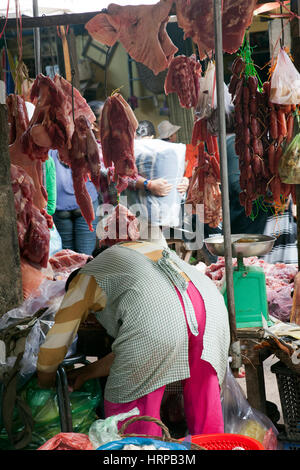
166 129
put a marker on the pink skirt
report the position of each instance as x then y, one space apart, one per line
201 391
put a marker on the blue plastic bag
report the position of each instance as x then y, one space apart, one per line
141 441
55 241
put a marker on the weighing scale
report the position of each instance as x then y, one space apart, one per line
249 282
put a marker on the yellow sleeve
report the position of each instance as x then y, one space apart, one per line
83 296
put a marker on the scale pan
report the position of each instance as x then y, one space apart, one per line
243 245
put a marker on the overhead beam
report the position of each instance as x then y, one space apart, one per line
29 22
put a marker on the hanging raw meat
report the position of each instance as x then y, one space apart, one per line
32 224
118 126
84 162
204 189
18 123
140 28
119 226
196 18
183 78
53 125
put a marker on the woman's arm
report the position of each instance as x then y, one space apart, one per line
95 370
158 187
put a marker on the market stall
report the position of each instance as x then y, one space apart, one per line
266 145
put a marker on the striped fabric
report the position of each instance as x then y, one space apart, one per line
151 341
284 228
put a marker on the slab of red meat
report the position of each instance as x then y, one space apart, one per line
204 188
140 28
18 123
66 261
65 113
196 18
118 126
183 78
120 226
52 125
84 160
32 225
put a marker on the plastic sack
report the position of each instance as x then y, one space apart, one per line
43 404
213 118
156 158
106 430
207 102
55 241
51 295
285 81
240 418
68 441
289 164
141 442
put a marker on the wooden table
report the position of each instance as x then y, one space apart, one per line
253 362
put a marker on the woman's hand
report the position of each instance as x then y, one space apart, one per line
182 187
77 377
159 187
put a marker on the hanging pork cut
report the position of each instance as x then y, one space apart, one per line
32 224
52 124
204 190
120 225
117 133
18 123
64 123
140 28
196 18
84 162
183 78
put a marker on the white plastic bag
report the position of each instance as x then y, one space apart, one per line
106 430
207 103
285 81
208 97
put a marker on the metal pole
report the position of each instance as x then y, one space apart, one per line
224 180
37 40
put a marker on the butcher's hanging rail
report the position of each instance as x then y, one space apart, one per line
235 346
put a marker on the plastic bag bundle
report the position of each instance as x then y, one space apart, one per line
289 164
26 330
43 404
241 418
285 81
103 431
